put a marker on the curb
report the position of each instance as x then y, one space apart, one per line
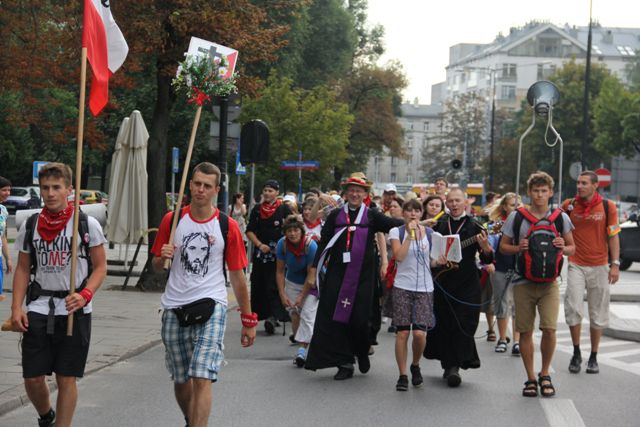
20 397
622 334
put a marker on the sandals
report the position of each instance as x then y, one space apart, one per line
491 335
530 388
546 386
501 347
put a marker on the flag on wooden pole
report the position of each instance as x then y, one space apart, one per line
106 50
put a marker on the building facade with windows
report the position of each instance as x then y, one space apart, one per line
512 63
422 126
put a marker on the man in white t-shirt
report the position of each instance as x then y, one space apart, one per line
195 299
45 346
5 191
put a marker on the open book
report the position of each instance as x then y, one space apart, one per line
449 246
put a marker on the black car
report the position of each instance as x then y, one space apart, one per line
629 242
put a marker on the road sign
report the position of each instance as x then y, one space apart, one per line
575 169
240 170
37 165
175 158
299 165
604 177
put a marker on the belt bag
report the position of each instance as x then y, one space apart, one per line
196 312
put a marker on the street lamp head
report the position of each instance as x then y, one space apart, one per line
542 96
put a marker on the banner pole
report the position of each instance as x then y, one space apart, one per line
183 181
78 173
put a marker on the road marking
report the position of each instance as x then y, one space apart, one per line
614 343
561 413
625 311
622 353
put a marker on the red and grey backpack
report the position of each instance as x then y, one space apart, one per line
542 262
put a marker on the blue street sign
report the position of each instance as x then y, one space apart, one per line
37 165
175 158
299 164
240 170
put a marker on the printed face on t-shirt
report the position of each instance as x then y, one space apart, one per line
55 193
195 252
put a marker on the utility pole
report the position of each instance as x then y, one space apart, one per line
587 86
493 121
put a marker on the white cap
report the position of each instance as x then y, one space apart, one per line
390 188
289 198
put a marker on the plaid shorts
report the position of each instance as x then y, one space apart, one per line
194 351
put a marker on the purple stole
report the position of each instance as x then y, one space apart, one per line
347 294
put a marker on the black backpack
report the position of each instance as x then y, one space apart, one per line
83 230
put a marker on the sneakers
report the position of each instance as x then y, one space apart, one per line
592 366
47 420
416 375
574 365
403 383
301 357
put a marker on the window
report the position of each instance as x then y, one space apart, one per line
509 71
508 92
409 178
425 126
545 70
410 142
473 79
411 126
393 177
393 161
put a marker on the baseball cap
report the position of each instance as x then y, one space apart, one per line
390 188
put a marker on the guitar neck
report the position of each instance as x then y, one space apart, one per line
468 242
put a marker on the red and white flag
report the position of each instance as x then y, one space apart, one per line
106 50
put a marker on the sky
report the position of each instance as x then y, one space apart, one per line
418 33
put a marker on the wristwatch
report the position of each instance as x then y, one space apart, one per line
616 262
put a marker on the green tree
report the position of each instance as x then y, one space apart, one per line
464 126
567 119
312 121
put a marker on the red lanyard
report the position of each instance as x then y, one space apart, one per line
458 230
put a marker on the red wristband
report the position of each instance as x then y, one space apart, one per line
249 320
86 294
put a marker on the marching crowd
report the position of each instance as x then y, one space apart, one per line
334 265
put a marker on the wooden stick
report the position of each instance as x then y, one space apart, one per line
183 181
76 209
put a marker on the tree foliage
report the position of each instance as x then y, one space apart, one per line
312 121
464 138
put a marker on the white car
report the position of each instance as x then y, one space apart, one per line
23 198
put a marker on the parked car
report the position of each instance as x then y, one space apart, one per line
629 242
23 198
94 196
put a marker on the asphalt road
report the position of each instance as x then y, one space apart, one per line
260 386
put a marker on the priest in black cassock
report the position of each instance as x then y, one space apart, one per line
457 302
346 262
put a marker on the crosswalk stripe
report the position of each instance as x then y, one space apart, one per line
561 413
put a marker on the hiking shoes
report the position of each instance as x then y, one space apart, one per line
403 383
592 367
574 365
416 375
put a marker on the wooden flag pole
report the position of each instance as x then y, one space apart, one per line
76 208
183 182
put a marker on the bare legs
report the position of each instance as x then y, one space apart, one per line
38 393
417 347
194 398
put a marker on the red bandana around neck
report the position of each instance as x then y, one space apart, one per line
267 210
50 224
597 198
297 250
312 225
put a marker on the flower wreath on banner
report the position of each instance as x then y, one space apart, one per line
200 79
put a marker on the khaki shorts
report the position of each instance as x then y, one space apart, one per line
596 281
545 296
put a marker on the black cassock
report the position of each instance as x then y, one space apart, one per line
333 343
452 340
265 300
